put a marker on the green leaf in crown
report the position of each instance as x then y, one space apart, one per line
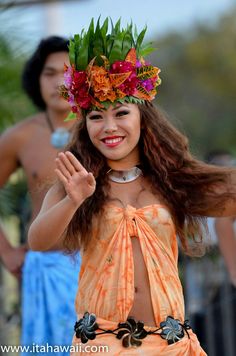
108 67
115 46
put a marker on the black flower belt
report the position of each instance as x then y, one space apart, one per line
131 332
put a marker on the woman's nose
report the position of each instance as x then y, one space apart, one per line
110 126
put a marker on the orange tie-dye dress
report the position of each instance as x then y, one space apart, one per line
106 286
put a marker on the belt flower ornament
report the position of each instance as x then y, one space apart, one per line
85 328
131 332
172 330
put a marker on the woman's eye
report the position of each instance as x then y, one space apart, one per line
122 113
95 117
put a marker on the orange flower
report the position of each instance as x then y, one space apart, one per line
120 94
103 96
101 84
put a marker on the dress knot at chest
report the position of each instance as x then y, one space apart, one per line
129 214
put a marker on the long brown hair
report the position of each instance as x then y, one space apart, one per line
186 184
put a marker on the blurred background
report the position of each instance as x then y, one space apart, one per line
196 51
195 44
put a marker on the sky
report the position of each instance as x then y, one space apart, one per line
31 23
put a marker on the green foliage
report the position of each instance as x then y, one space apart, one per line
70 116
14 105
12 195
14 200
115 46
198 83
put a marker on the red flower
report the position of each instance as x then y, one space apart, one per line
129 85
74 109
80 78
82 98
85 102
121 67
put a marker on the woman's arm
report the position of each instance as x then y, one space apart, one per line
60 204
50 225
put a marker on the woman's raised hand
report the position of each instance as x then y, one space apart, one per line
78 183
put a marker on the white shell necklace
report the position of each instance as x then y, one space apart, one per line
125 176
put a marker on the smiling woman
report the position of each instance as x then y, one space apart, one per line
130 295
115 133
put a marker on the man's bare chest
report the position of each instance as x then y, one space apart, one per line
37 158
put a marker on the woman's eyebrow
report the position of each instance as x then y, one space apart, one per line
119 106
95 113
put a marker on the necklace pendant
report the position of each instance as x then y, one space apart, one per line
60 138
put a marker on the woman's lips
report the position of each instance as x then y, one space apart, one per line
112 141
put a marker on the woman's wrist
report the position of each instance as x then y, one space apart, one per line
71 204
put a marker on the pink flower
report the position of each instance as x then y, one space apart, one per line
147 84
71 99
68 74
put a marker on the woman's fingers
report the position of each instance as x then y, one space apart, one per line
69 166
74 161
91 180
62 168
70 170
61 177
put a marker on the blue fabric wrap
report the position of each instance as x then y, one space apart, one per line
50 282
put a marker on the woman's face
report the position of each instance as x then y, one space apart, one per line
115 132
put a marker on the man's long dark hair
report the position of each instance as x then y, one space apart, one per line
35 64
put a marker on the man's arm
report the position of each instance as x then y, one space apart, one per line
227 243
12 257
9 149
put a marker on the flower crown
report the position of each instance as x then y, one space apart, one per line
108 68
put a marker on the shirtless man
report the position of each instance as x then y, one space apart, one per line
33 145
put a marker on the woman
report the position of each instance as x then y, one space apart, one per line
128 185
